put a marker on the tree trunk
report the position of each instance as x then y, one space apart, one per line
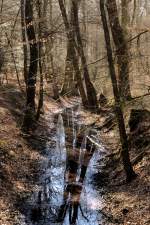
2 58
40 54
68 85
29 117
91 92
68 79
54 78
70 38
130 174
84 32
14 61
25 51
125 15
122 50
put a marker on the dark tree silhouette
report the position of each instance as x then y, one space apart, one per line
29 116
121 52
130 174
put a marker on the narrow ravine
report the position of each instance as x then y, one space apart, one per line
65 192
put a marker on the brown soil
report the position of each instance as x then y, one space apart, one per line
124 203
20 159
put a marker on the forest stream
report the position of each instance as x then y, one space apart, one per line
66 193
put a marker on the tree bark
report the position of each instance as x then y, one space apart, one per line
40 54
130 174
122 51
71 39
29 117
31 80
68 79
54 78
91 92
25 51
14 61
125 15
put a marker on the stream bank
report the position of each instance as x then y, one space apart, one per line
65 192
24 167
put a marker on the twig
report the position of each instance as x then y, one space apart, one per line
130 40
141 96
83 213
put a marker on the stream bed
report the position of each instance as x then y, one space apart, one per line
65 193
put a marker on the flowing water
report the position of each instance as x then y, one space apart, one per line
66 193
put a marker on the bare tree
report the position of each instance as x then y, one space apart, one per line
130 174
74 56
32 72
122 50
25 51
40 54
50 45
68 84
91 92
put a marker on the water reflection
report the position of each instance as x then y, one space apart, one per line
79 151
66 195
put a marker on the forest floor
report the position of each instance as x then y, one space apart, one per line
20 159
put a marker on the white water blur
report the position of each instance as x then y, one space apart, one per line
60 136
74 132
52 182
91 201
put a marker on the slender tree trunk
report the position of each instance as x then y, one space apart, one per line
91 92
41 96
54 78
2 58
70 38
125 16
31 81
40 54
14 61
84 32
130 174
29 117
68 79
122 50
25 51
